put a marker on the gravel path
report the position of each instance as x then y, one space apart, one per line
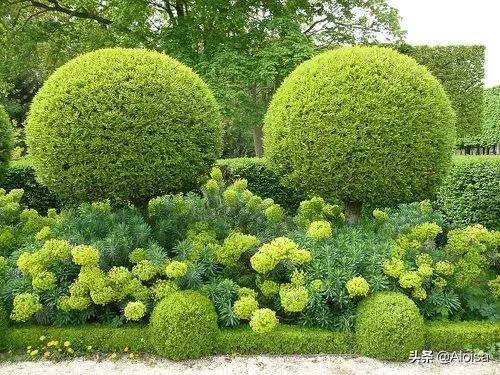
240 365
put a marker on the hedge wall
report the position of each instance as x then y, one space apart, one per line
471 191
284 340
21 175
261 180
461 72
490 136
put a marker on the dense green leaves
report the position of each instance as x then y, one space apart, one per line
184 325
361 124
470 193
460 69
389 326
6 139
125 125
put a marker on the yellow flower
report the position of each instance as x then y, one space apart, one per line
34 353
56 343
70 351
67 343
29 347
46 354
113 356
126 349
42 338
89 348
131 355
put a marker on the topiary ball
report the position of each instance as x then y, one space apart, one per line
389 326
361 124
6 139
123 124
183 325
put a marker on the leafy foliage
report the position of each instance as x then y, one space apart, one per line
339 143
394 313
460 69
6 139
162 123
470 193
184 325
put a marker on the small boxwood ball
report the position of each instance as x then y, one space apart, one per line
363 125
123 124
183 325
389 326
6 139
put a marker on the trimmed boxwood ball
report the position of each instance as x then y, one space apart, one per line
123 124
184 325
361 124
6 139
389 326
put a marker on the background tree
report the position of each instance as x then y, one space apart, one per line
243 49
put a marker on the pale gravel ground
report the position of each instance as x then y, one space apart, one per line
251 365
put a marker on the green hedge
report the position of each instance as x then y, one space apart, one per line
461 335
262 180
471 191
21 175
284 340
461 72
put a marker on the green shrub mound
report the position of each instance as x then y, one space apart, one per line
470 194
6 140
123 124
184 325
361 124
389 326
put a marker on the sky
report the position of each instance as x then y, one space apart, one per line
443 22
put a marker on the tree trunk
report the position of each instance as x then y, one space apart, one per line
352 212
257 141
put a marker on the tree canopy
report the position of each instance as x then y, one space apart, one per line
242 48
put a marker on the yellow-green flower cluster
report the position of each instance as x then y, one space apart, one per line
104 206
444 268
319 230
51 252
416 238
380 216
163 288
425 270
85 255
145 270
410 279
270 254
316 285
246 292
316 209
269 288
293 298
44 281
419 293
135 310
25 305
137 255
211 186
298 277
426 207
216 174
263 321
44 234
274 213
245 306
233 247
394 267
357 287
176 269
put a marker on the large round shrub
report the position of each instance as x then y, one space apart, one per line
124 124
183 325
6 140
361 124
389 326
